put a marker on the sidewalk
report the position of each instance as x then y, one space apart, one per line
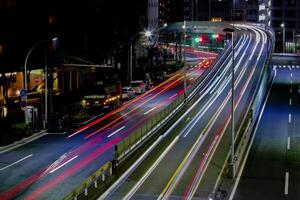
23 141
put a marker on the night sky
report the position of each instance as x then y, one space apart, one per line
90 29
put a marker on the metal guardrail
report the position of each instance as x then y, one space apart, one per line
92 181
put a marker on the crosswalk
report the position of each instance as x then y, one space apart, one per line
286 66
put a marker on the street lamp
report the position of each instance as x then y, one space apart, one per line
46 82
282 25
147 34
231 32
184 58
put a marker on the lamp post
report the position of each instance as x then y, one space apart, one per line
46 82
232 163
147 34
184 59
282 25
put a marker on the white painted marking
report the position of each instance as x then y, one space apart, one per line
146 113
291 74
116 131
187 119
275 66
286 185
279 66
291 82
289 143
293 66
291 90
290 102
284 66
171 97
297 66
290 118
57 168
16 162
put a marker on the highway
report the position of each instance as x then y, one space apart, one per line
52 166
179 170
272 167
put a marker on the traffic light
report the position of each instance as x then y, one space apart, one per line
198 39
215 36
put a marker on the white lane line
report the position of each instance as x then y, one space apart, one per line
16 162
116 131
171 97
146 113
297 66
279 66
291 81
286 185
291 90
289 143
290 118
291 102
293 66
57 168
284 66
291 74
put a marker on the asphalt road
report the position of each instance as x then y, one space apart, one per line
180 169
272 170
49 167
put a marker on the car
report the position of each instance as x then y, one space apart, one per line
138 86
128 93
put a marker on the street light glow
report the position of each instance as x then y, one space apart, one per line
148 34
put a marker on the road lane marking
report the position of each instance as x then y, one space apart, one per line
291 90
286 185
116 131
146 113
290 118
291 74
293 66
18 161
171 97
57 168
291 81
289 143
290 102
297 66
284 66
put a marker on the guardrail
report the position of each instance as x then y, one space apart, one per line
91 182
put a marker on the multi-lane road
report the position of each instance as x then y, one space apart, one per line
188 167
52 166
272 168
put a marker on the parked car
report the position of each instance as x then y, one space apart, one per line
128 93
138 86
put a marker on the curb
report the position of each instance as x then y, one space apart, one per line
22 142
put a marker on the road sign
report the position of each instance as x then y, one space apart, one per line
23 93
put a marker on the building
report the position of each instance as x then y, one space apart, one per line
164 11
285 19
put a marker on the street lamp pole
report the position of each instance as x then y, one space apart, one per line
283 37
232 163
25 87
148 34
184 59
